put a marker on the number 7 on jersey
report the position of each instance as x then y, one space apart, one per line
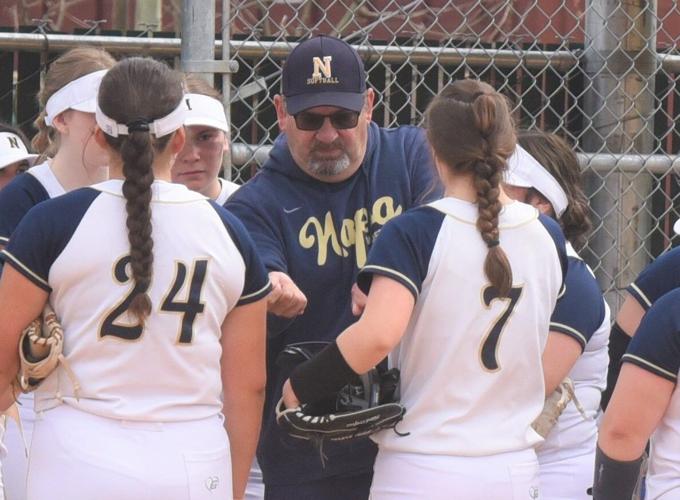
489 349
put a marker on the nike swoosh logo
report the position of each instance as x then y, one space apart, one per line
291 210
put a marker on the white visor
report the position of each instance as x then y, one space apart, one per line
524 171
161 127
204 110
80 94
13 149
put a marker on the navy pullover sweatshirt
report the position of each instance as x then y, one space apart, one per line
319 234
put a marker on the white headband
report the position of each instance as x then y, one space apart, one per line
205 110
13 149
525 171
160 127
79 94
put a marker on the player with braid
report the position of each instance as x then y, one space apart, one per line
70 159
159 291
461 292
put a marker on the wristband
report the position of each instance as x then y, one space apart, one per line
324 374
614 479
618 344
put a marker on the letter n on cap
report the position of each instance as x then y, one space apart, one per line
322 67
13 142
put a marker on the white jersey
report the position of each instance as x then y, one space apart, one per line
227 188
46 177
204 264
471 373
656 348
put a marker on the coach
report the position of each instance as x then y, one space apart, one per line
332 181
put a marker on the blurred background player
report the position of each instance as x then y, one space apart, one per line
199 164
70 158
645 404
332 180
15 156
461 293
162 313
549 178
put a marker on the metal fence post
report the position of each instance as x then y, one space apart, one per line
198 37
226 79
620 68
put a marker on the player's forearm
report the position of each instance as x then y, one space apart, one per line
559 357
388 311
361 349
243 418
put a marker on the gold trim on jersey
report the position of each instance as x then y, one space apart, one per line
25 268
250 295
651 365
641 294
394 273
436 205
570 330
192 196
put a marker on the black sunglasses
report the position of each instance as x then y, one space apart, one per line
340 120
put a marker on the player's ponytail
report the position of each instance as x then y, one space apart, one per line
151 91
137 153
488 109
471 131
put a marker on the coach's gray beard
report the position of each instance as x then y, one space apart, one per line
329 168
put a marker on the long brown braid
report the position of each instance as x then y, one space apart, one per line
137 91
471 131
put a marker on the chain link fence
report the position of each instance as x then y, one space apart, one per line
601 73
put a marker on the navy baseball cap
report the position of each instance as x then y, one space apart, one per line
323 71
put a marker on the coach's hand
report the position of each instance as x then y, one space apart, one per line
358 300
285 299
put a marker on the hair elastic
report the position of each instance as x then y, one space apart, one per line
140 125
493 243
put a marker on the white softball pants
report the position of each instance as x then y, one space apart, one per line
412 476
15 463
79 456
